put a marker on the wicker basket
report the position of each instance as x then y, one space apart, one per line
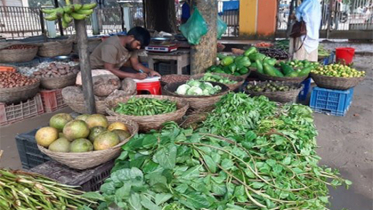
147 123
58 82
264 77
245 75
18 55
53 49
171 78
239 80
81 107
337 83
85 160
279 96
196 102
17 94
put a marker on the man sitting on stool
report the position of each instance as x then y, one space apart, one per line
113 53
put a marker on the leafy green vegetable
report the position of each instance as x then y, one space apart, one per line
216 78
250 154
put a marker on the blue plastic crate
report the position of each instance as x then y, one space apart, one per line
28 150
334 102
306 88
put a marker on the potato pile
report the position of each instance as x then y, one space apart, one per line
13 79
55 70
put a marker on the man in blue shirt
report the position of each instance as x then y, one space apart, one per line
185 11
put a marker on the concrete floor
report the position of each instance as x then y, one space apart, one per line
345 143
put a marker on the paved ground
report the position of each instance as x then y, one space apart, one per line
345 143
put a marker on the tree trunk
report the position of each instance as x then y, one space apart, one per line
204 55
160 15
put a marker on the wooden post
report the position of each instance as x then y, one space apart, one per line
59 19
203 55
85 66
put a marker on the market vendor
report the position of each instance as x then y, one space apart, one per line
119 55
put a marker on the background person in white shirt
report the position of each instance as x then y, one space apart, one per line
305 47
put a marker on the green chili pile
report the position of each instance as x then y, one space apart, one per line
20 190
146 106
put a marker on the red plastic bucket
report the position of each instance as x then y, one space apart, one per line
344 55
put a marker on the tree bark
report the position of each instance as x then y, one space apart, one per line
160 15
85 66
204 55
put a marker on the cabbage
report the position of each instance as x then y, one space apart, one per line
182 89
209 84
194 91
194 83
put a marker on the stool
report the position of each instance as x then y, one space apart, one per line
154 88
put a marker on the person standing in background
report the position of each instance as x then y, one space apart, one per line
305 47
185 11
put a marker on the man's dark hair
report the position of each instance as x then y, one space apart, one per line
141 34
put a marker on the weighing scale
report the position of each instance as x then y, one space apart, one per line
161 48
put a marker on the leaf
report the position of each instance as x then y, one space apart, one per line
134 144
227 164
123 193
162 197
210 163
149 167
257 185
123 156
133 176
197 200
138 160
148 204
93 195
149 141
166 157
182 188
324 199
219 189
135 202
286 161
277 169
108 188
157 179
250 136
216 157
192 173
240 194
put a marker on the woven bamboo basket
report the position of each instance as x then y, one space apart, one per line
58 82
245 75
264 77
18 55
239 80
17 94
85 160
337 83
171 78
196 102
53 49
278 96
147 123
